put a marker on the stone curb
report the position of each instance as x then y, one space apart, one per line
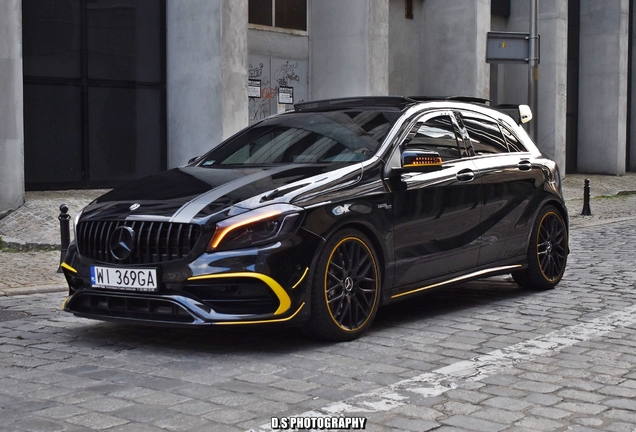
25 246
39 289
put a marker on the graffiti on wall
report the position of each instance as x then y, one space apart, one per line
274 73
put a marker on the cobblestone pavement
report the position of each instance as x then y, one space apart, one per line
482 356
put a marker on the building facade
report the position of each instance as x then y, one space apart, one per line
100 92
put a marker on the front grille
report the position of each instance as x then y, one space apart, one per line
130 307
155 242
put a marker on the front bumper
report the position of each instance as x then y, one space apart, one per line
249 286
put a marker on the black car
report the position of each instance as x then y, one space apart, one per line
320 215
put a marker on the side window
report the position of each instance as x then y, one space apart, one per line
435 134
514 144
485 136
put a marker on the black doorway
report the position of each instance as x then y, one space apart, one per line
572 117
94 91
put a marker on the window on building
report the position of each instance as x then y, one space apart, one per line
408 9
282 14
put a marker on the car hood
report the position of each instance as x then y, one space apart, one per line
195 194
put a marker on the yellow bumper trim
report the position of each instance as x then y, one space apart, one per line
68 267
283 297
262 321
301 278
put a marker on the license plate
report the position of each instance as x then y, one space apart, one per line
129 279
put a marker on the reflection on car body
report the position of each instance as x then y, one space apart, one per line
321 215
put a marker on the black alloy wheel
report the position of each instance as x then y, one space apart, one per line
345 287
547 252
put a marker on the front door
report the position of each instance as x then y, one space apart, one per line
437 213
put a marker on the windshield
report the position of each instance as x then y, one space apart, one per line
316 137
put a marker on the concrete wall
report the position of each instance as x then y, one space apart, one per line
11 119
206 74
275 44
349 48
404 49
603 86
453 54
552 84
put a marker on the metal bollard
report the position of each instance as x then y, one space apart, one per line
586 199
65 232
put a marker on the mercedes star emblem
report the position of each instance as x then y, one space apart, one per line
122 242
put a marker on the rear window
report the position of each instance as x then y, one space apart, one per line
485 136
306 138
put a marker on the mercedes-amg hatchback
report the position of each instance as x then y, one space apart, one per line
321 215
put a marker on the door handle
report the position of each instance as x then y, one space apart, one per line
525 165
465 175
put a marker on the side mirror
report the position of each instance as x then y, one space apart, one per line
421 161
525 114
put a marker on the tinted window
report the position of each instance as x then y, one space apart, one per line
321 137
436 134
485 136
514 145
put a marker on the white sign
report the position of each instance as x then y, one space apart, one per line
254 88
285 95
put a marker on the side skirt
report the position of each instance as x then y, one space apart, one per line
403 292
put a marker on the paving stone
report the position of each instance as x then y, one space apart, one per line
96 421
412 424
539 424
621 390
627 404
551 413
473 424
543 399
498 415
582 408
580 395
536 387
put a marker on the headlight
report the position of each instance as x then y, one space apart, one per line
263 225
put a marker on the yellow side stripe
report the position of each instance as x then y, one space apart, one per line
283 297
457 279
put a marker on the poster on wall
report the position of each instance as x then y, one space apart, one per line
254 88
260 105
285 95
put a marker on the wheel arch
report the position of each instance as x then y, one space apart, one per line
372 234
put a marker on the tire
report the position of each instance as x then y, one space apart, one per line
547 252
345 287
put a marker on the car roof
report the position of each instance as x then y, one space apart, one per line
399 103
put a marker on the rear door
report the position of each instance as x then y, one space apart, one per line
436 213
511 183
